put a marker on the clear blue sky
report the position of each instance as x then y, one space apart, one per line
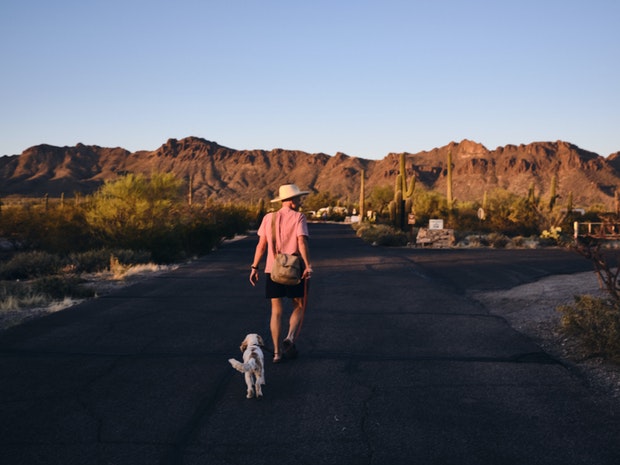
361 77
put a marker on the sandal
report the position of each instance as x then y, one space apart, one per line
277 358
290 351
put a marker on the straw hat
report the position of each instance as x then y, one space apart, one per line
287 192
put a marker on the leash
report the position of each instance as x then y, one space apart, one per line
303 308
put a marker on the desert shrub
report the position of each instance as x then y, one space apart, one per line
203 228
14 302
316 201
380 198
99 260
40 291
227 220
200 237
14 289
380 234
472 240
429 204
26 265
511 214
596 323
64 230
136 212
55 229
498 240
139 213
59 287
464 217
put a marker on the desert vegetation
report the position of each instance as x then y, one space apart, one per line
494 219
49 244
595 321
509 220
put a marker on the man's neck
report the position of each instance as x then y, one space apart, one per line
290 205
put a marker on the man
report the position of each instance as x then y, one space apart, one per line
292 238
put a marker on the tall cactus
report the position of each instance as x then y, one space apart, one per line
403 193
190 190
449 182
553 194
362 196
531 195
569 203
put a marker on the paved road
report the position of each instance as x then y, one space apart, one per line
398 366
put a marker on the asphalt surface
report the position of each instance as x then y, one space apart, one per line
397 366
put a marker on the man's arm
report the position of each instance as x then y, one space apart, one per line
261 248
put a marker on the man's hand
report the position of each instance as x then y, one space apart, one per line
307 274
253 277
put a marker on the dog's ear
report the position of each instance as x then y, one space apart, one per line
244 345
260 341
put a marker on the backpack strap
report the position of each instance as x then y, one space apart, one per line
273 233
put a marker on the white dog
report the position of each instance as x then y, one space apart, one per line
253 364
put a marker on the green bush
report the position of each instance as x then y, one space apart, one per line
596 323
139 213
380 234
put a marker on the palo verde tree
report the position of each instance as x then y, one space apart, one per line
137 212
318 200
380 198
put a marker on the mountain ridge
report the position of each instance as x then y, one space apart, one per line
227 174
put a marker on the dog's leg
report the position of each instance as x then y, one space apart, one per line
258 380
250 385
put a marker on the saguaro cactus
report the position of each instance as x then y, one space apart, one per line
403 192
449 181
362 196
190 190
553 194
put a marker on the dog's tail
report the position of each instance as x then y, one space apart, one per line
243 367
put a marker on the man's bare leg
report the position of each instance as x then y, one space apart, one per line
275 324
295 319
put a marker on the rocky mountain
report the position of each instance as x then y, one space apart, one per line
223 173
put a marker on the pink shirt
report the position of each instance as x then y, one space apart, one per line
289 225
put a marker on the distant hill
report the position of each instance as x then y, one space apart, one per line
227 174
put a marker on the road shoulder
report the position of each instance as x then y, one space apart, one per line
531 310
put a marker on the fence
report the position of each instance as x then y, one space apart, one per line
610 231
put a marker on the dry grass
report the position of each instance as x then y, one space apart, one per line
18 309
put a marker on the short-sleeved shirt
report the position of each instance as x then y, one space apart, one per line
289 226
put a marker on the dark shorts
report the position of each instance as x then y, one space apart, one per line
275 290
